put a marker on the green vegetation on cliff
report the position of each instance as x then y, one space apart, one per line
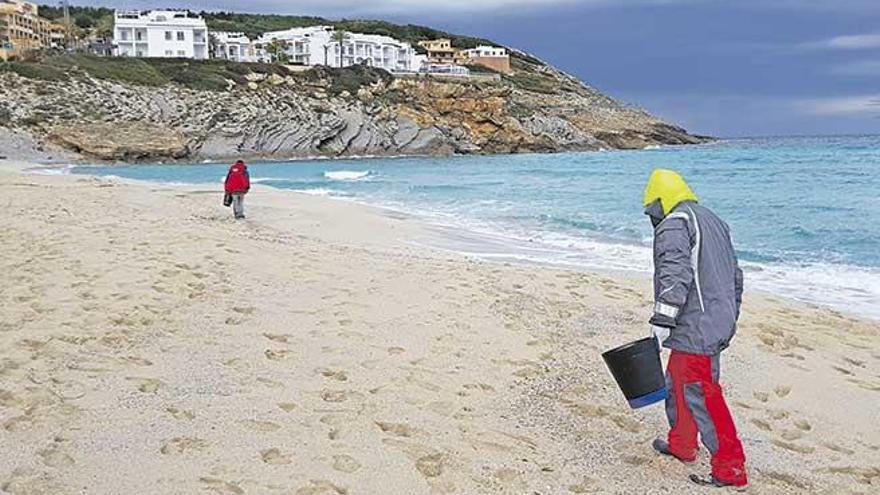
211 75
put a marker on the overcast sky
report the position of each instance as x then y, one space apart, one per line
720 67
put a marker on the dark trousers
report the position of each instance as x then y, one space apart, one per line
238 205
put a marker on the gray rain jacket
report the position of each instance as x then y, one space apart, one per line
697 279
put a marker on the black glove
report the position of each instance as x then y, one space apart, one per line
662 321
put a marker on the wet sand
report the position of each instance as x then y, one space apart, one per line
151 344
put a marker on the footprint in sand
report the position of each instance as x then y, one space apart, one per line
396 429
429 462
147 385
843 370
792 435
139 361
269 382
837 448
29 482
782 390
585 486
321 487
220 486
255 425
787 479
778 414
244 310
277 355
865 475
510 479
431 466
345 463
180 414
626 423
794 447
275 457
53 457
287 406
337 375
183 445
635 460
283 339
337 396
803 424
761 396
761 424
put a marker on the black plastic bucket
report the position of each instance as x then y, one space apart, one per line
638 371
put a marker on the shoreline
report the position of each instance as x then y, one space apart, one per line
87 161
313 349
473 241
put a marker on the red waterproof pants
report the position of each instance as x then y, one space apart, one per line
695 404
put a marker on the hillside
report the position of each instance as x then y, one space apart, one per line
147 109
254 25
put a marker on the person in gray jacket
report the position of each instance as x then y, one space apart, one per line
698 293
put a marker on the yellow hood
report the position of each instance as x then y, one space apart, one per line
670 188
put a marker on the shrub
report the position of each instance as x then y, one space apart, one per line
35 70
119 69
353 78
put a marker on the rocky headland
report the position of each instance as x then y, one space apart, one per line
135 110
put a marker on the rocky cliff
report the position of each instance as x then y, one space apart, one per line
322 112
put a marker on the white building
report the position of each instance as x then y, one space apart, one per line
232 46
485 51
316 46
160 33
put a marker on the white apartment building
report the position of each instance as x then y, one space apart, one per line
316 46
160 33
232 46
485 51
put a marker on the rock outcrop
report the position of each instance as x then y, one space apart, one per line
322 113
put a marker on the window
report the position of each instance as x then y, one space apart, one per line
169 53
181 53
167 35
123 35
181 36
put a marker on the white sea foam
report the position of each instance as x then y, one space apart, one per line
348 175
319 192
260 180
847 288
51 170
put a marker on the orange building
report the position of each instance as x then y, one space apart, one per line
440 51
21 28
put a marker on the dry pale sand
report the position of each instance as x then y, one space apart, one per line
150 344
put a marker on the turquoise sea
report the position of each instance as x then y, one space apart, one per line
805 212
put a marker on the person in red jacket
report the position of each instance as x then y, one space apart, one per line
237 184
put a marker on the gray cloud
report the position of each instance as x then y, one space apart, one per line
841 105
846 42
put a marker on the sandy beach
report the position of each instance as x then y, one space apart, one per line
150 344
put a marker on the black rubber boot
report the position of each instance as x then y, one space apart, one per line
712 481
662 447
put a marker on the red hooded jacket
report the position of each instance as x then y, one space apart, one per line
238 181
